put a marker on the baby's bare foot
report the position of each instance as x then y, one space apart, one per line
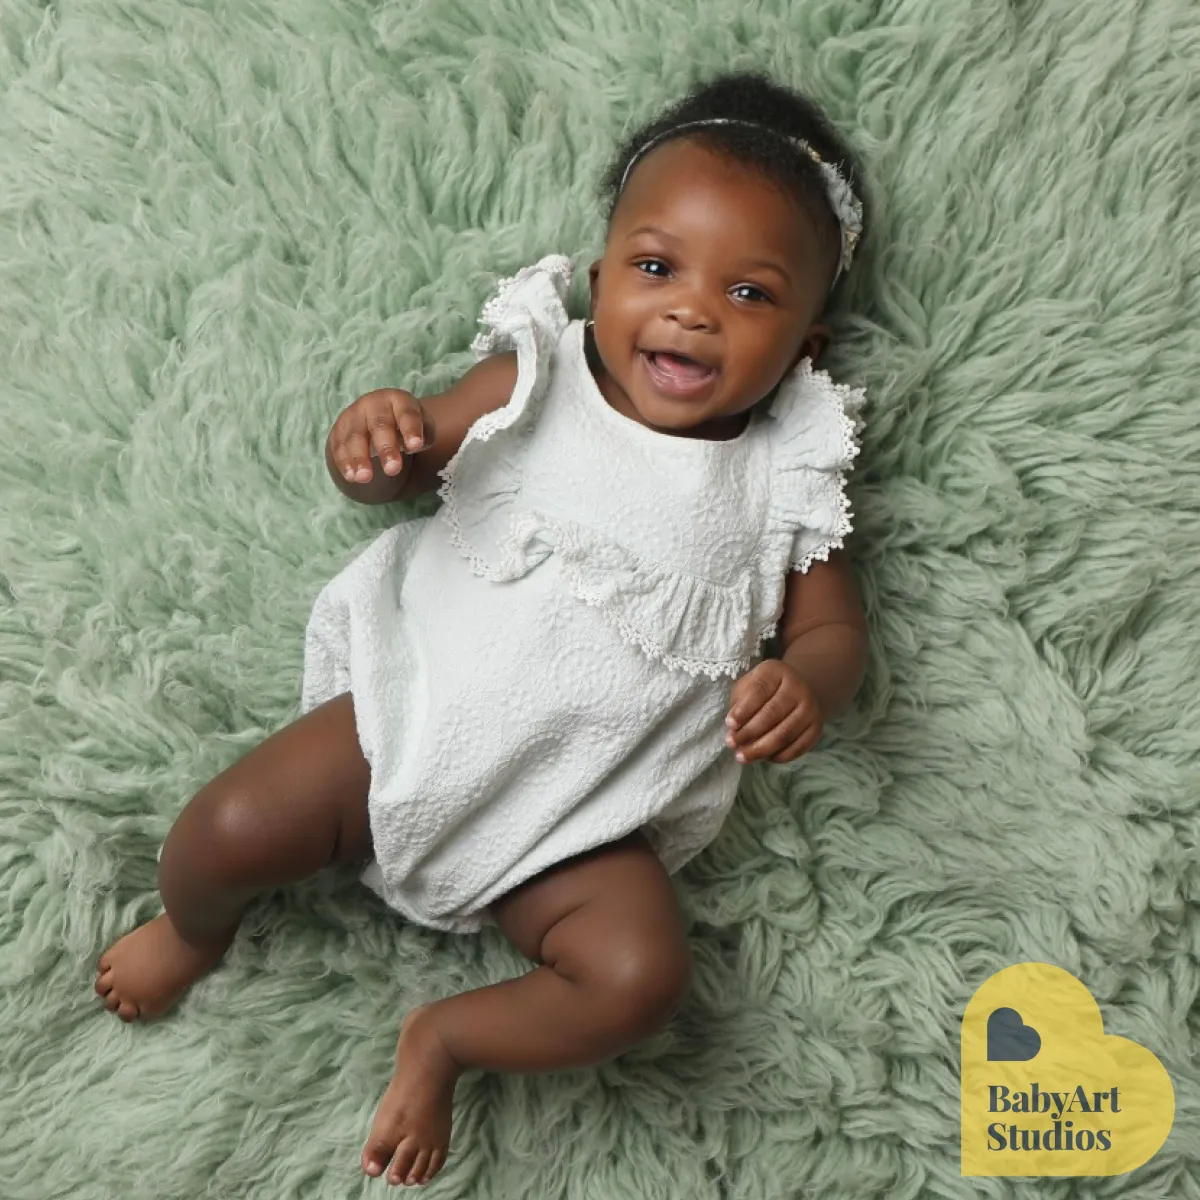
144 973
413 1119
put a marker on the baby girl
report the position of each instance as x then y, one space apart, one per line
531 708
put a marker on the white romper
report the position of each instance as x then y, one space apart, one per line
545 664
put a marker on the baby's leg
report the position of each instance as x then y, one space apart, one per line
606 930
294 804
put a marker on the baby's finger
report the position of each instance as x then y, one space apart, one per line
774 710
752 691
385 440
353 456
412 421
778 738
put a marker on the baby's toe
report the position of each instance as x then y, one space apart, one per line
376 1155
406 1153
416 1173
436 1161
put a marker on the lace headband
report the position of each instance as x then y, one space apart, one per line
845 204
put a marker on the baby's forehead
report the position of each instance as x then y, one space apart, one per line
699 198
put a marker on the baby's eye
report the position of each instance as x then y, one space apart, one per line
758 293
758 296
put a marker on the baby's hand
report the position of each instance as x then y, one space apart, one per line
379 420
773 714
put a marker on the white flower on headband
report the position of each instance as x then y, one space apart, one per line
847 207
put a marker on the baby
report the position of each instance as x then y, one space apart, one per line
533 707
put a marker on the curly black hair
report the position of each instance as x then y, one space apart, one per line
752 96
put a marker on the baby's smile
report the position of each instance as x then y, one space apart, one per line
676 376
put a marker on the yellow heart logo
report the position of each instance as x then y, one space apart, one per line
1045 1091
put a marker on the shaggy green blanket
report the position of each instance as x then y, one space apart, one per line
221 222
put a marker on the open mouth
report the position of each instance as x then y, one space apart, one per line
676 375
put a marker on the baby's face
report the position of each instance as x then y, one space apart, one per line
714 263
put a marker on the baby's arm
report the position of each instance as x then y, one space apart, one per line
446 418
824 632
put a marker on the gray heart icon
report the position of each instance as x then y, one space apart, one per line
1009 1039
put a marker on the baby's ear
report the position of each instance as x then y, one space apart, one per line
594 282
816 342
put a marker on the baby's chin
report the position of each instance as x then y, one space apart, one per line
688 418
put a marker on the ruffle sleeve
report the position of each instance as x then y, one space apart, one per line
814 442
527 313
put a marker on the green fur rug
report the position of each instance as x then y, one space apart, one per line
221 222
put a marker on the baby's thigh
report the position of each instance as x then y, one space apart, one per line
607 918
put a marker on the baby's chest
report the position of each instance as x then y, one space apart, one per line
687 511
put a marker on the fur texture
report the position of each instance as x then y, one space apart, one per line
219 223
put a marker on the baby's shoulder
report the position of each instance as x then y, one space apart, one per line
487 386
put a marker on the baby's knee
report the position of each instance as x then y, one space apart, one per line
216 835
646 979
